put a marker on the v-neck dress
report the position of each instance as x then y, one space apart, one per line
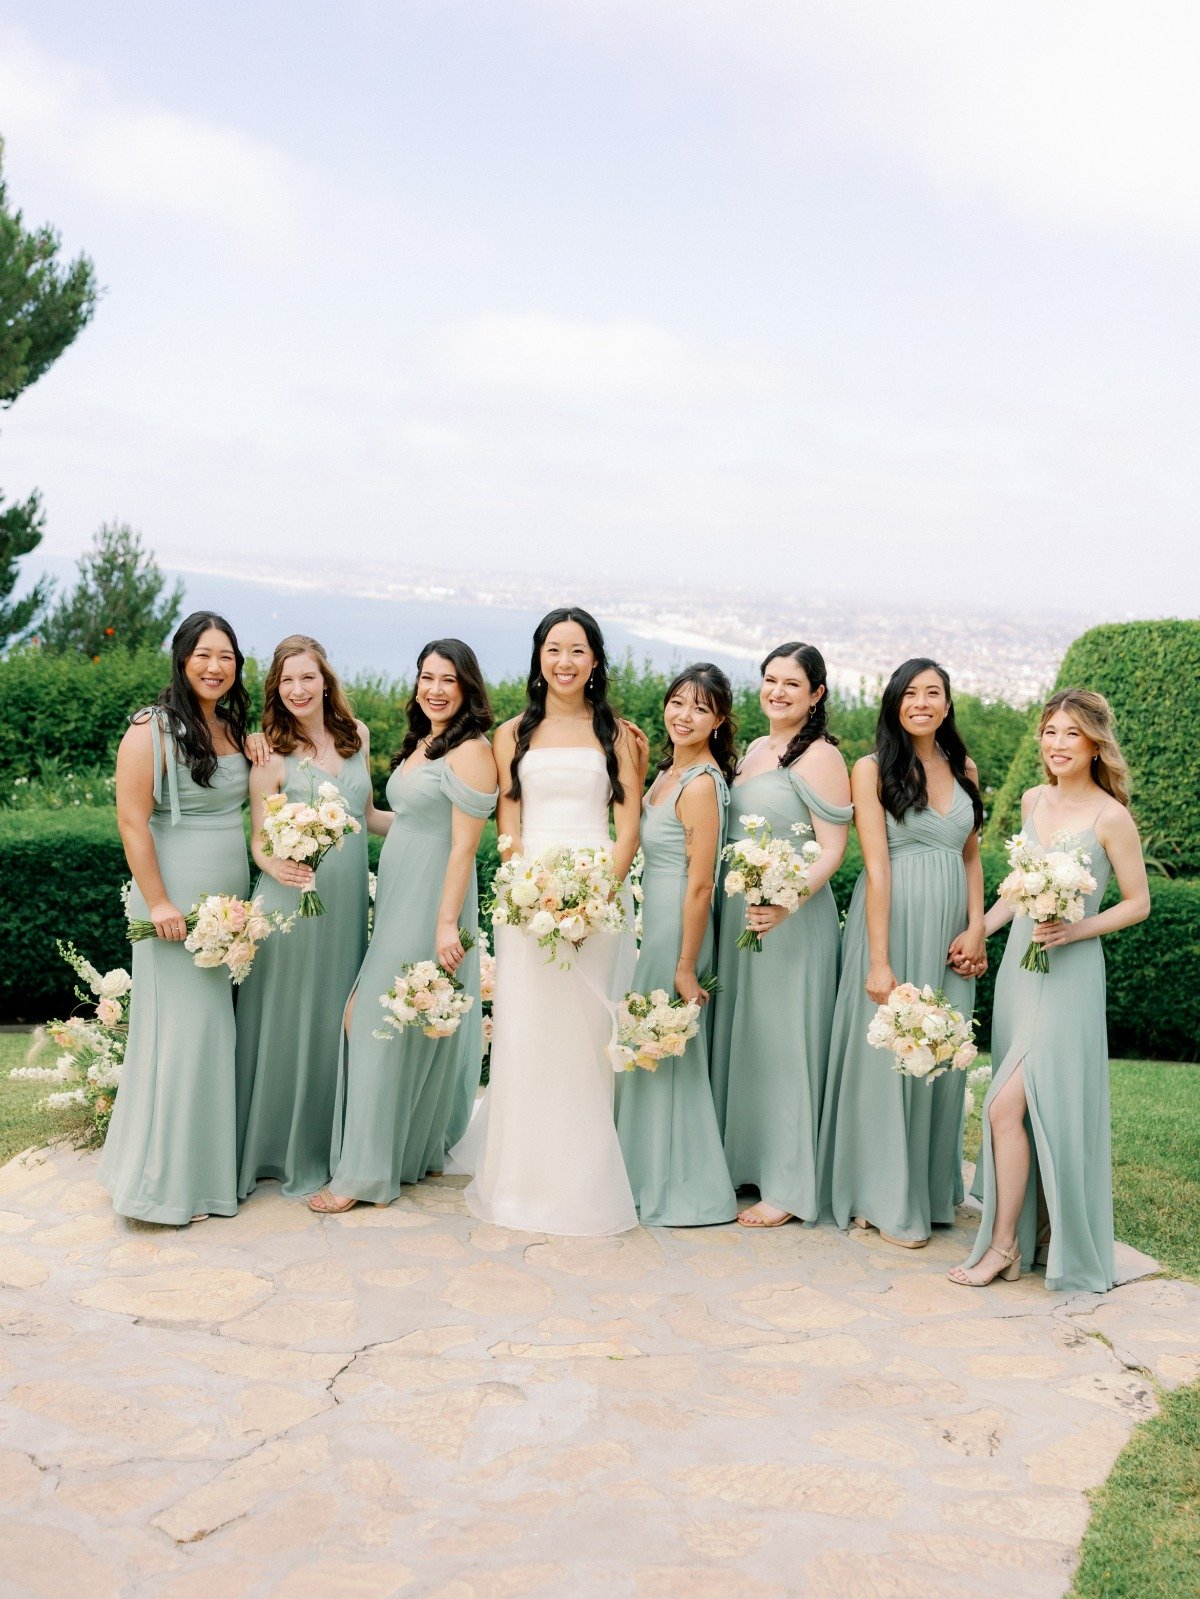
891 1145
289 1009
666 1119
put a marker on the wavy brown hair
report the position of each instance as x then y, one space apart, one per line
473 719
1095 718
281 727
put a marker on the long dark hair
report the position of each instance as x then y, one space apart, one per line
604 718
280 726
184 716
816 725
712 690
902 786
473 718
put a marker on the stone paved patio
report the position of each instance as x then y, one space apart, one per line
406 1401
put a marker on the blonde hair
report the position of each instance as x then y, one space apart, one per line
281 727
1095 718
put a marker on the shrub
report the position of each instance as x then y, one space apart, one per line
1148 672
63 871
62 876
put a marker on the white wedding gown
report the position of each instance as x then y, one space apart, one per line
543 1145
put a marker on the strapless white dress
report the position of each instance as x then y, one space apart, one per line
543 1145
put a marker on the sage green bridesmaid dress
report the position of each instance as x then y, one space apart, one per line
891 1146
289 1009
774 1012
171 1150
666 1120
1053 1027
396 1095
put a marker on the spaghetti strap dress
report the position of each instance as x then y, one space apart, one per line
891 1146
395 1093
1053 1027
289 1009
171 1150
666 1119
774 1014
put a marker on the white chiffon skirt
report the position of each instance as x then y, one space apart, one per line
543 1145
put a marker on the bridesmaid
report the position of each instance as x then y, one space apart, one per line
891 1147
774 1009
666 1120
396 1094
289 1008
170 1155
1049 1035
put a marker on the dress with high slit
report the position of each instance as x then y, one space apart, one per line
1053 1027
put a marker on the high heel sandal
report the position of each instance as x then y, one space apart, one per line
1009 1272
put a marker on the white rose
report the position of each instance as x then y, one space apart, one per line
114 984
735 883
541 924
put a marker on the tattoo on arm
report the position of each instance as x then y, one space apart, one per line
688 834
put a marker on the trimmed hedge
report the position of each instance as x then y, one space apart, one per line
62 872
1148 672
62 876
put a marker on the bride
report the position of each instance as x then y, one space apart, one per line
543 1146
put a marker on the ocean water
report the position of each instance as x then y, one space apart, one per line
385 636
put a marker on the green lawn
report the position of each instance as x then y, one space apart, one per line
22 1121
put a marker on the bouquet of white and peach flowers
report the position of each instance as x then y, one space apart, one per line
654 1027
92 1048
768 871
425 995
560 897
223 931
293 830
1047 885
487 994
923 1032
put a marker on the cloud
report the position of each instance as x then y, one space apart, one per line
65 120
1071 114
545 357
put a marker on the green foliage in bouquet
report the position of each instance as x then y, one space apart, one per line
1148 672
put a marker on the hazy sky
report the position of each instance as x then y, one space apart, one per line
820 294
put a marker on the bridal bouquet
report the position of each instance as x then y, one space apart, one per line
92 1048
295 831
653 1027
768 871
560 897
223 931
425 995
1047 885
923 1032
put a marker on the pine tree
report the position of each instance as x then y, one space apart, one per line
118 601
44 305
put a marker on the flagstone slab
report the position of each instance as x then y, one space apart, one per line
407 1401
